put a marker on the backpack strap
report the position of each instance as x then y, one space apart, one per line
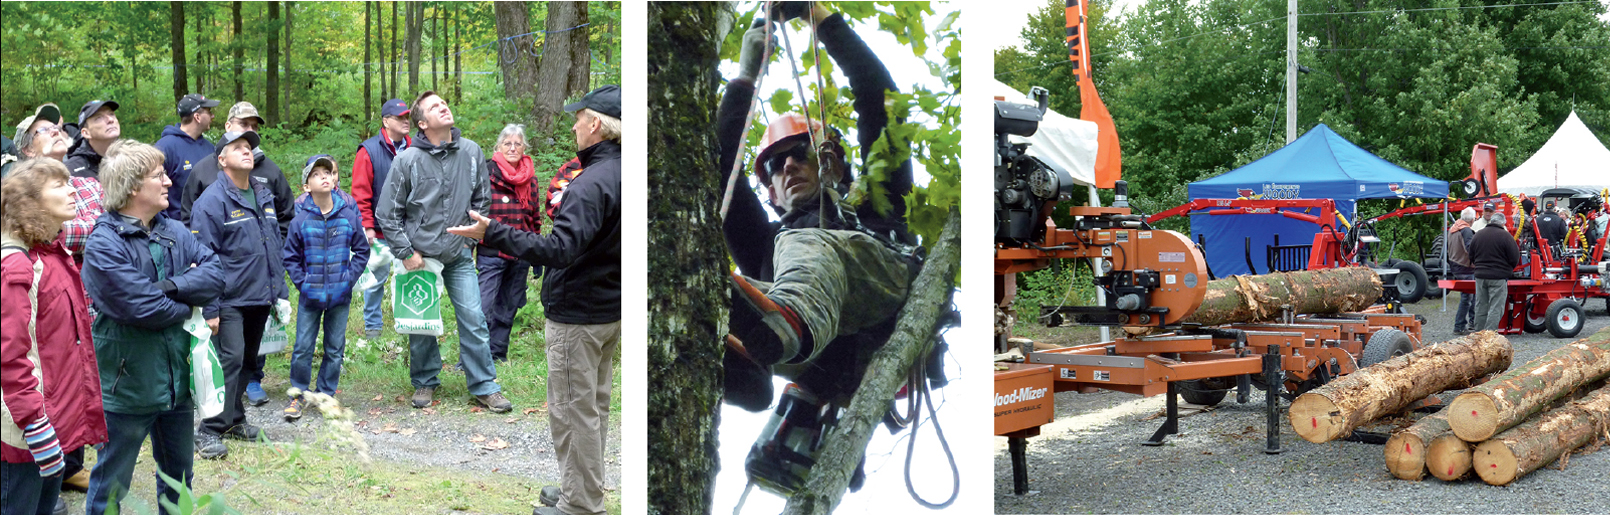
12 434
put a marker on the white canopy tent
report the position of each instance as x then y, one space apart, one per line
1572 158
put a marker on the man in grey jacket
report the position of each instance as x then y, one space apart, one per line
432 186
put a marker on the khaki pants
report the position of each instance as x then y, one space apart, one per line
580 372
839 282
1491 296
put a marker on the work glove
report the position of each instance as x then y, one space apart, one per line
753 53
46 450
784 11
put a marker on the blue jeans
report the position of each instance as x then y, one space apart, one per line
23 492
373 319
425 356
172 442
503 293
308 322
1464 316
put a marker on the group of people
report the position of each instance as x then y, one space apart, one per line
112 245
1482 248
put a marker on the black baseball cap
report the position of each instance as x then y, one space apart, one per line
90 108
231 137
188 104
605 100
394 107
1490 206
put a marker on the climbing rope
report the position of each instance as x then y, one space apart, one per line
749 117
918 394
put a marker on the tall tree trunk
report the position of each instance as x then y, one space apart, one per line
435 41
514 56
290 73
458 56
272 85
394 53
415 12
200 73
368 75
553 69
581 56
687 293
239 49
180 63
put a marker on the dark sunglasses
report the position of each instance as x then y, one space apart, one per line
776 162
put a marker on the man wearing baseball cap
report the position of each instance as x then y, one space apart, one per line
243 117
98 125
235 218
369 170
581 299
1487 210
185 146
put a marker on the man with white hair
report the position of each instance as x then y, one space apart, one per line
1457 244
1493 254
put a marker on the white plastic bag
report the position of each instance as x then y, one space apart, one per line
206 373
416 298
274 337
379 259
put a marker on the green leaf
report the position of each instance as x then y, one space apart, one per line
782 101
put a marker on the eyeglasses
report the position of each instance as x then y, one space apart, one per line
511 144
778 161
47 130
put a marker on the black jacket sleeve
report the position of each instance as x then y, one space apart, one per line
868 80
748 232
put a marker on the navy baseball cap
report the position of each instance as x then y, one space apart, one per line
314 161
90 108
231 137
188 104
394 107
605 100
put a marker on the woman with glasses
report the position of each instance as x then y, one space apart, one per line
516 201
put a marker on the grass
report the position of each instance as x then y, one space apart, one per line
309 478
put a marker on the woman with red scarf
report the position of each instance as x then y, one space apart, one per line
516 201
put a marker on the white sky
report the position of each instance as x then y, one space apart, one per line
1007 17
885 489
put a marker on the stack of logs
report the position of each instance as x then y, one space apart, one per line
1501 429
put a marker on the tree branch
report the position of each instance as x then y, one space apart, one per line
912 340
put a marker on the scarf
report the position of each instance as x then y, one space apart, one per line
516 177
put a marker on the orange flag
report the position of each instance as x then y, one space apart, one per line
1109 160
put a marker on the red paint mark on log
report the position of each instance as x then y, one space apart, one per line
1316 421
1407 448
1472 413
1450 470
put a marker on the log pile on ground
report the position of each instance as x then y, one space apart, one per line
1334 410
1516 423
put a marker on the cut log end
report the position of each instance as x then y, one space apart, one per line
1316 418
1495 463
1448 457
1406 456
1473 417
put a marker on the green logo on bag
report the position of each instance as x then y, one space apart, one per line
418 294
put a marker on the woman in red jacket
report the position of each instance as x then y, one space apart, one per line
46 346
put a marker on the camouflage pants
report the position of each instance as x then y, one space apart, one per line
839 282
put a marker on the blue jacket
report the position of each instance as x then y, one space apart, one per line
247 241
140 345
325 254
181 154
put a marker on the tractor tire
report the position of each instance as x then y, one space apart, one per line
1411 281
1384 345
1432 290
1565 318
1206 392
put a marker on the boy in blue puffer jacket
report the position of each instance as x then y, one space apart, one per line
325 253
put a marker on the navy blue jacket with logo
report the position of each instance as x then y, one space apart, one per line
246 240
326 253
182 154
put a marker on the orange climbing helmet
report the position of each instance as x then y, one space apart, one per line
787 127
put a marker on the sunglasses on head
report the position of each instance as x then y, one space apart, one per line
777 161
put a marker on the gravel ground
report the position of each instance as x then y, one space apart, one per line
1090 460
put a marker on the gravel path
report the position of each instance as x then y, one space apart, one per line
1090 460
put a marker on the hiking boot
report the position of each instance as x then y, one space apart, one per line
549 496
293 410
245 432
745 384
771 332
61 507
423 396
494 401
371 333
209 446
77 482
255 394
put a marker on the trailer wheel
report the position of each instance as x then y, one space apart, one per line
1533 323
1207 392
1470 187
1565 318
1385 344
1411 281
1432 290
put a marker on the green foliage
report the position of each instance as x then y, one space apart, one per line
1065 285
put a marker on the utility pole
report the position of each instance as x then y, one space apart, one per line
1291 71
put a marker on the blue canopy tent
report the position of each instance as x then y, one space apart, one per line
1320 164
